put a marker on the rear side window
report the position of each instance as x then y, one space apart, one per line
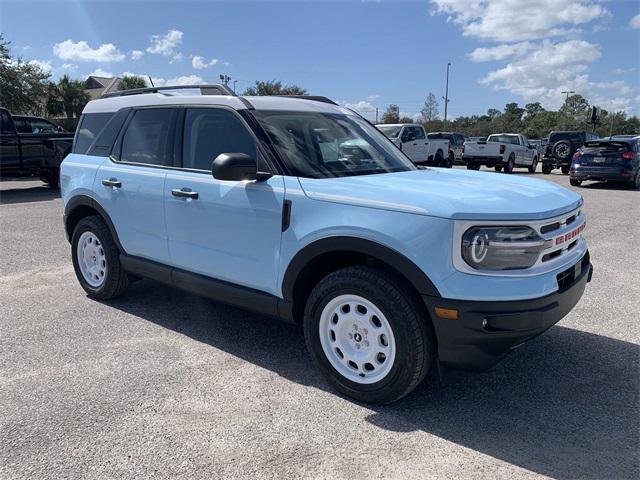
148 137
90 126
208 132
6 124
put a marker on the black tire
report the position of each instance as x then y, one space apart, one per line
562 150
438 159
534 165
508 168
565 169
635 185
473 166
575 183
452 160
546 169
116 281
51 178
498 168
411 327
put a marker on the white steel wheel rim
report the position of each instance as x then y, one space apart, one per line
357 339
91 259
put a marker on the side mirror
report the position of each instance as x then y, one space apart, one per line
234 167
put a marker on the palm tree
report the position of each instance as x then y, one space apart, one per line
72 95
129 82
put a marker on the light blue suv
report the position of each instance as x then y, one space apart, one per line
297 208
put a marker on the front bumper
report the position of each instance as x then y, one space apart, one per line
485 332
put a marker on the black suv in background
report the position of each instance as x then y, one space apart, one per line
32 146
561 147
612 159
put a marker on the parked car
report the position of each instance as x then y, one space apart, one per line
539 146
502 150
561 147
456 140
614 159
31 146
413 142
302 210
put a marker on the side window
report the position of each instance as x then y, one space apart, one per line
208 132
148 137
405 134
22 126
39 125
6 125
91 124
420 133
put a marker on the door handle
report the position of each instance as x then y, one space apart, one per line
112 182
184 193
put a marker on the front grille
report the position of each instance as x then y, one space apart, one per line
550 228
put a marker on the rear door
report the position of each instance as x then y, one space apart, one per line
227 230
130 183
9 144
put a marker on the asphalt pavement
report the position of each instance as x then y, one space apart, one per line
165 384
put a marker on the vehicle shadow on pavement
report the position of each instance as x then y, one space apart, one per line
608 186
40 193
565 405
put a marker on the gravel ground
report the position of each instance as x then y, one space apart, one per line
165 384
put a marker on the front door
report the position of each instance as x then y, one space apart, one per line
226 230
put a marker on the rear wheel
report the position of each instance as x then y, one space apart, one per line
439 159
473 166
51 178
546 169
534 165
368 334
575 183
508 168
452 160
498 168
636 182
565 169
96 260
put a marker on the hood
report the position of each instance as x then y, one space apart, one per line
449 193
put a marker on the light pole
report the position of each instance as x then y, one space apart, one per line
446 99
234 85
225 79
566 114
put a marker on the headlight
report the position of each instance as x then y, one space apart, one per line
501 248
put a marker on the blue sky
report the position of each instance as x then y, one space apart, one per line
365 54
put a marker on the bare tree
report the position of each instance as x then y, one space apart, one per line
430 110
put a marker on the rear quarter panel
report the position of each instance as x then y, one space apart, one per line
77 174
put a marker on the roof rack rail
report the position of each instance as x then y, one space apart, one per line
315 98
214 89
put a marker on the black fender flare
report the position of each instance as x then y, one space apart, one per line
380 252
80 201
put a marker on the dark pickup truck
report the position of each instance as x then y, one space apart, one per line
32 146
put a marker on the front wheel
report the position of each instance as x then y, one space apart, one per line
575 183
534 165
96 260
368 334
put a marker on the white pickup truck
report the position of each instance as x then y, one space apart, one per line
502 150
411 139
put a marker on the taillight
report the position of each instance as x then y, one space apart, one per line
502 149
577 155
629 155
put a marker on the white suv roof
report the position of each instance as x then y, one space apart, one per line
113 104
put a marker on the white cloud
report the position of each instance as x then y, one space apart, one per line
617 85
361 106
373 98
635 22
177 81
82 52
166 44
45 65
199 63
98 72
500 52
136 54
544 73
516 20
622 71
26 47
69 66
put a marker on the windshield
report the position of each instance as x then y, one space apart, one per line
391 131
322 145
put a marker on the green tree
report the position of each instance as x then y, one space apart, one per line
406 120
23 86
430 111
392 114
71 94
129 82
532 109
274 87
575 111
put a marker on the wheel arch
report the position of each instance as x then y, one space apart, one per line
326 255
82 206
